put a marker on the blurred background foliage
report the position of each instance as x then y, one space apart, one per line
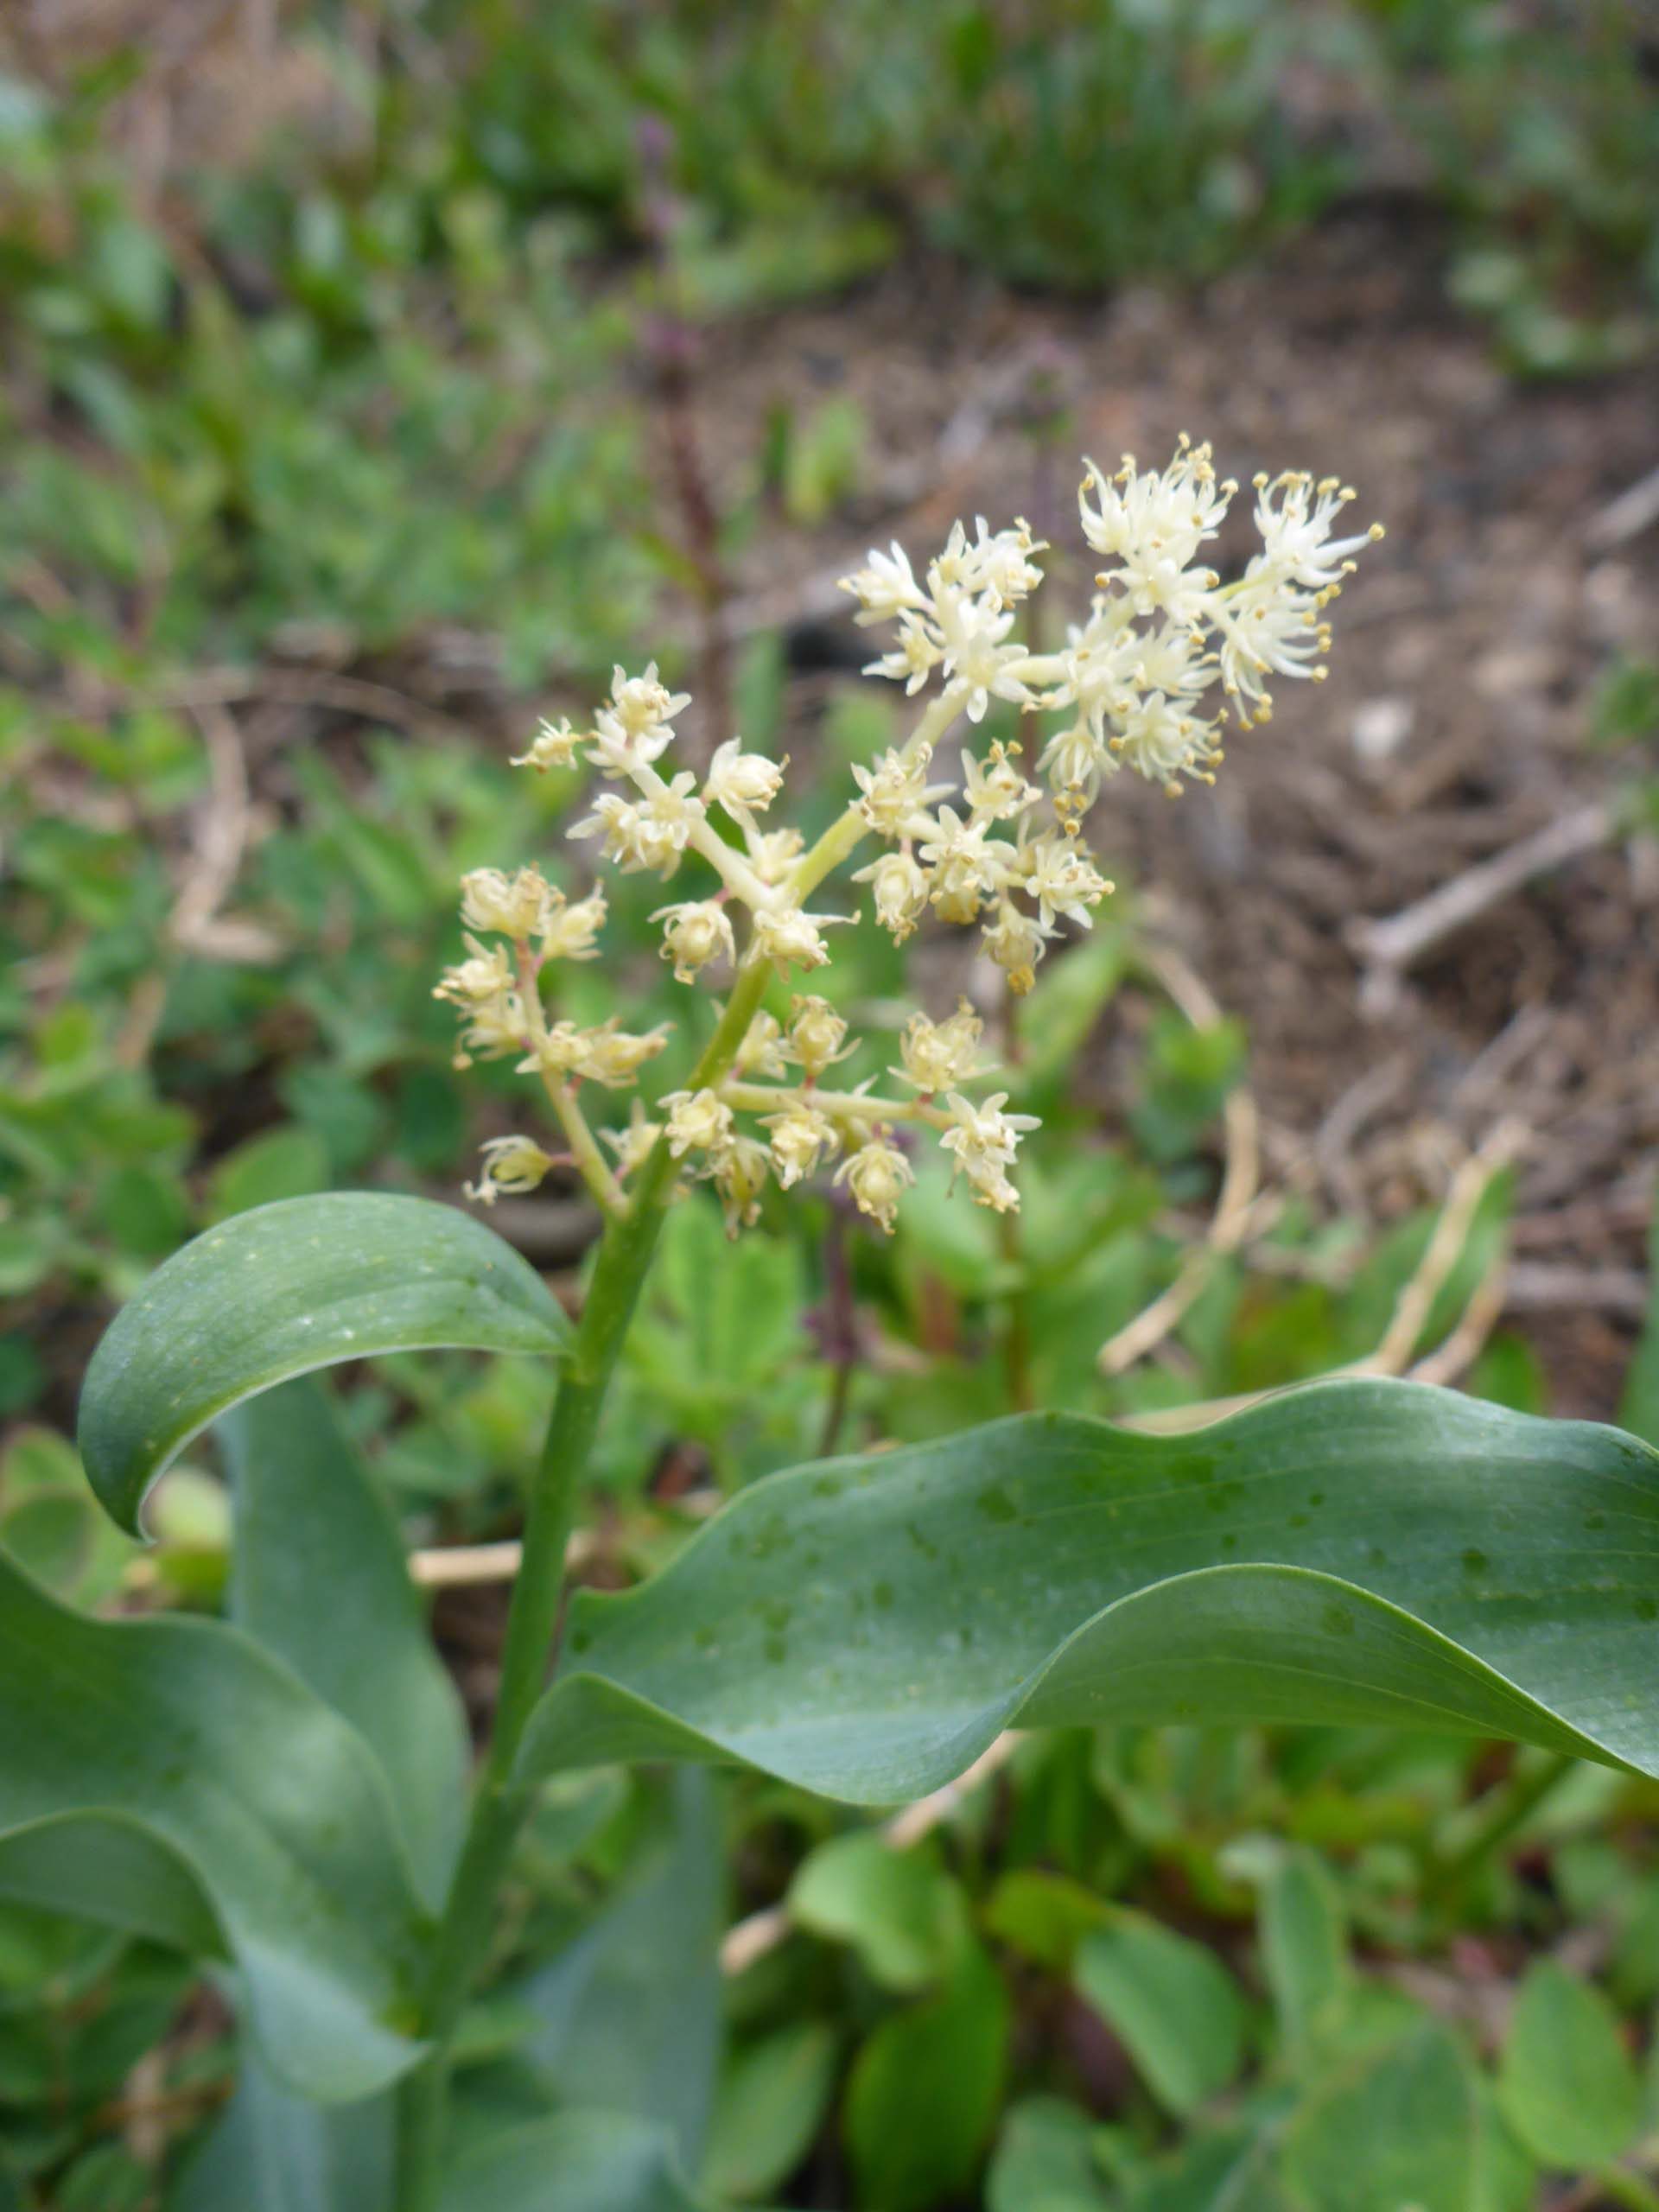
345 386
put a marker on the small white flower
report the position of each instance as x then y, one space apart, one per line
694 933
761 1052
494 1027
555 745
898 892
1154 524
895 790
878 1175
739 1171
742 783
818 1035
984 1140
485 975
938 1054
994 788
1015 942
651 834
1062 879
966 867
975 654
773 853
801 1136
571 932
614 1057
1296 532
913 659
515 905
511 1164
789 938
998 563
885 588
698 1121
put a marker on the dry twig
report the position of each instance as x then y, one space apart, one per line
1390 949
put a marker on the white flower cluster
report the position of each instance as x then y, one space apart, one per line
1161 632
993 850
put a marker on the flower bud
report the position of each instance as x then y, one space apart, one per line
570 932
738 1171
817 1034
742 782
937 1055
878 1174
696 932
801 1137
698 1121
899 887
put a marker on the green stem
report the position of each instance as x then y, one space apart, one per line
502 1800
1627 2187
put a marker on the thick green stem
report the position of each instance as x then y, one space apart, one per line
499 1811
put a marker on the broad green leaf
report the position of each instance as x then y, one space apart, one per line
104 1867
1359 1551
273 2152
575 2162
1044 2161
1303 1950
924 2092
900 1911
1044 1916
1171 2003
1402 2129
1233 2171
770 2106
630 2012
1566 2084
319 1576
281 1291
237 1776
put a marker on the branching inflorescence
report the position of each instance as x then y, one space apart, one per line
992 850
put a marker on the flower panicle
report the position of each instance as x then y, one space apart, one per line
983 836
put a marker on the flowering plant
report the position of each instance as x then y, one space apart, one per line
285 1793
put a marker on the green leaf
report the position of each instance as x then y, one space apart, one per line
1352 1552
273 2152
318 1576
286 1163
1566 2084
771 2104
1044 2161
1222 2171
282 1291
630 2012
106 1868
899 1909
1403 2129
575 2162
185 1733
1171 2003
1304 1950
924 2092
